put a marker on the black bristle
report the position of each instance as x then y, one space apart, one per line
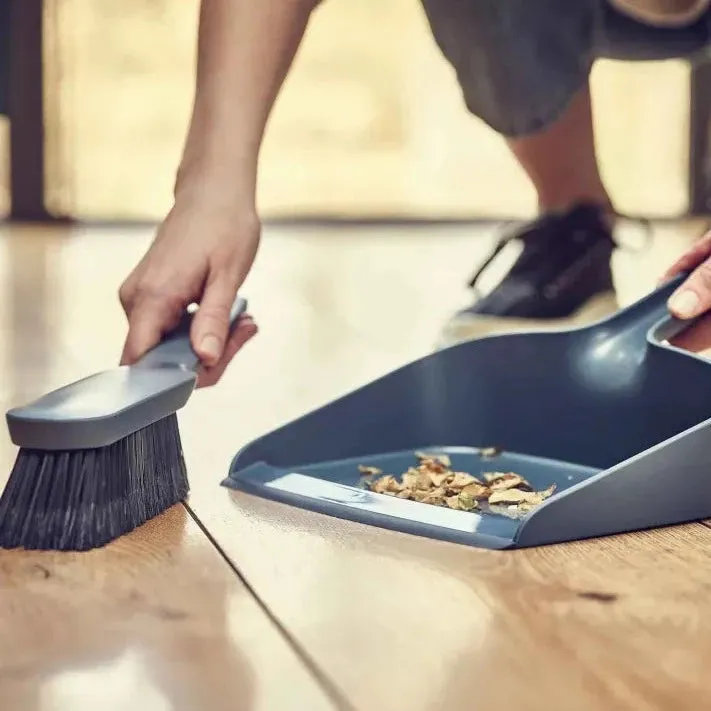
78 500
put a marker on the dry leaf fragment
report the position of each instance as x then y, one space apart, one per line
462 479
466 502
476 491
508 496
489 452
491 477
439 479
509 480
386 484
432 466
409 478
534 498
547 493
433 482
435 497
423 481
441 459
369 471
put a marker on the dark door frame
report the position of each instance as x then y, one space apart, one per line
26 112
700 140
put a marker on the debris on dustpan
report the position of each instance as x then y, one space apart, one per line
433 481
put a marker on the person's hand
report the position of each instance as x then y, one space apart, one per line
201 254
693 296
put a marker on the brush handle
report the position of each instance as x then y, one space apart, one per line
175 350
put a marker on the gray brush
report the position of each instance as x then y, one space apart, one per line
102 456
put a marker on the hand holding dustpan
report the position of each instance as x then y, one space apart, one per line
692 298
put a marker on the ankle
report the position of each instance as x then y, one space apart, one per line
607 209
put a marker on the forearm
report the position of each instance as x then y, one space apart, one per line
245 49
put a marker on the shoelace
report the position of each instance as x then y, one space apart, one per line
521 235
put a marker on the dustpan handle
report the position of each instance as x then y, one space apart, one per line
670 327
176 350
637 319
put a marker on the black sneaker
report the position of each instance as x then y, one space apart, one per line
561 278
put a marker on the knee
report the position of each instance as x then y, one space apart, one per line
517 62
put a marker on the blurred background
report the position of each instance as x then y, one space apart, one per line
371 123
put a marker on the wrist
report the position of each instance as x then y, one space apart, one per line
220 186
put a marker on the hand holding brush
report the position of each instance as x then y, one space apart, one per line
103 455
202 253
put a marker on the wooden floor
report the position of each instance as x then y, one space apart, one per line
281 609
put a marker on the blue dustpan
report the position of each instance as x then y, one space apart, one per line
614 416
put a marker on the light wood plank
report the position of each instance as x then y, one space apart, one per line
154 621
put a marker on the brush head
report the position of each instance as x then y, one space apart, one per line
84 499
101 409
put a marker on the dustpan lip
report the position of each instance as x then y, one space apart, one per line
326 507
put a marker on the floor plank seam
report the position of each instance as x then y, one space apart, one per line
321 678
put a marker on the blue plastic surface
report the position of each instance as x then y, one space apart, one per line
610 412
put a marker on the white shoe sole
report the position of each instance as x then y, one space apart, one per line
469 327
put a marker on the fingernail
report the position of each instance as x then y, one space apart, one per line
684 303
210 347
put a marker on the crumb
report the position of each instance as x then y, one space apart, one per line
369 471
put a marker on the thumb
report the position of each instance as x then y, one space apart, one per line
212 319
148 320
693 297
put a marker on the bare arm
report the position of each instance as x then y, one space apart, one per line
206 245
245 49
